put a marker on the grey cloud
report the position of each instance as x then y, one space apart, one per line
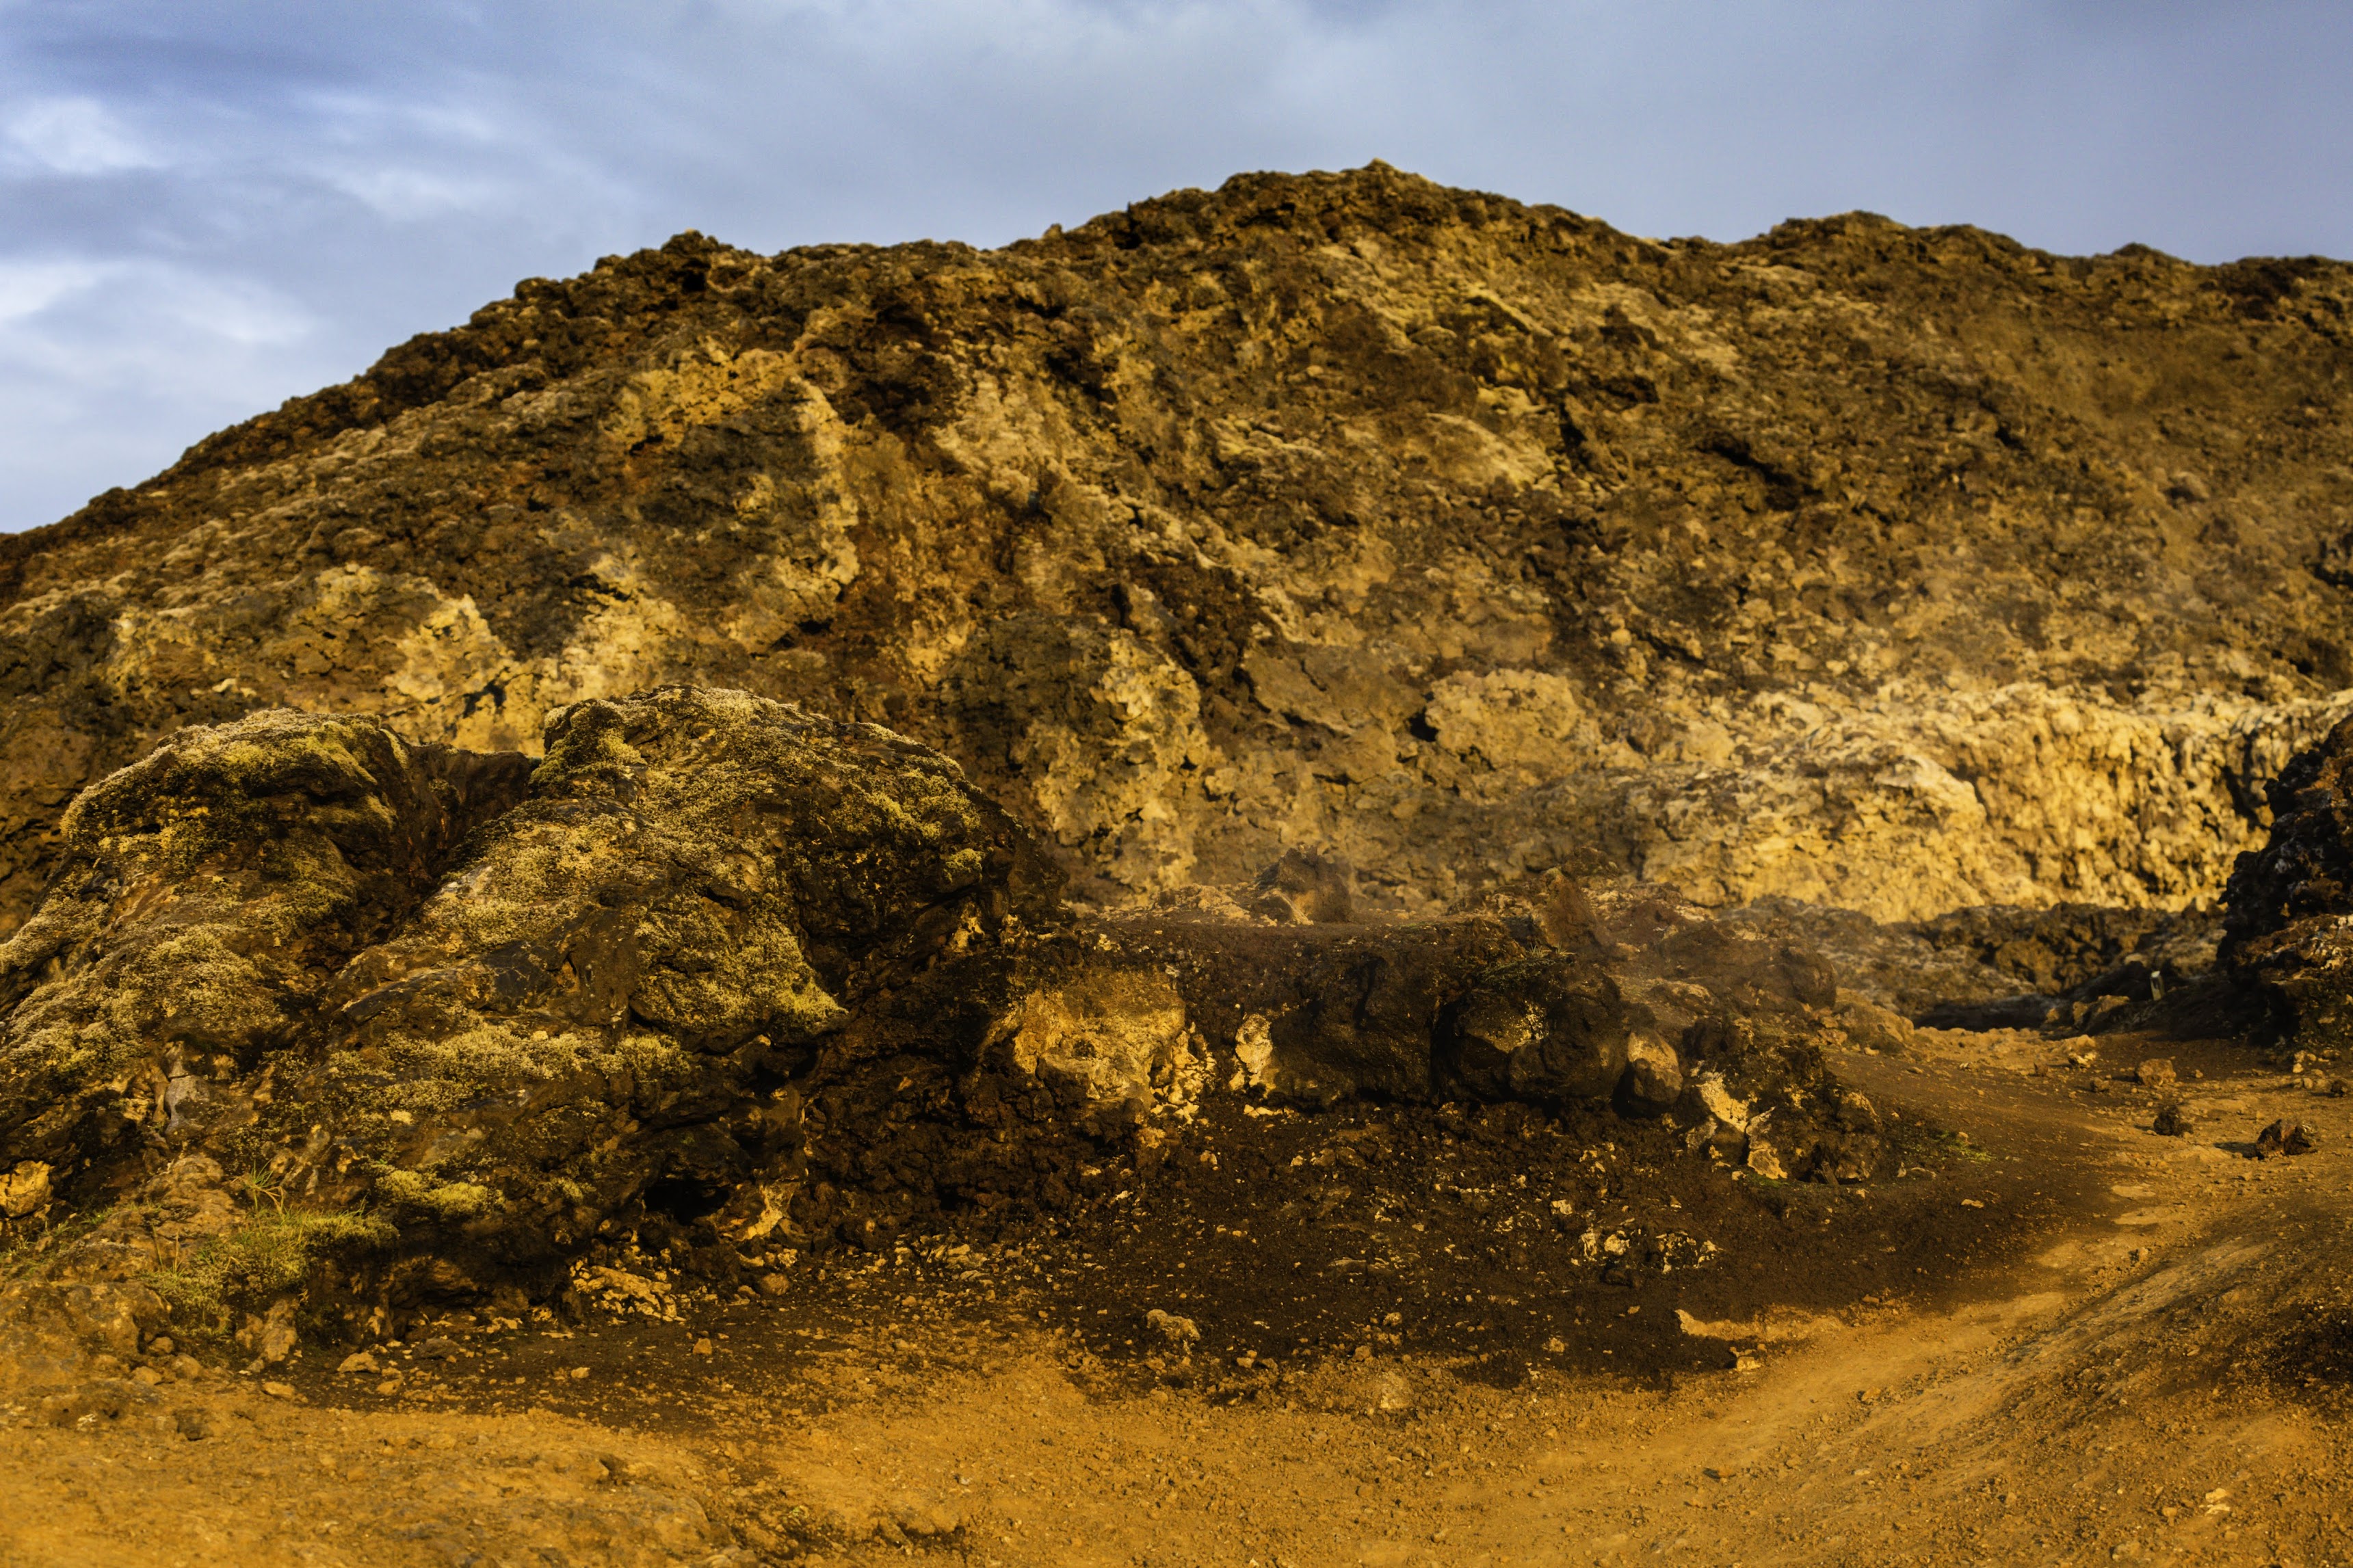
217 205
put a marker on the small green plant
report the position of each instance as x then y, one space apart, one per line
257 1187
271 1253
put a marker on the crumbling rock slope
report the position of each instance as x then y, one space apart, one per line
1901 570
494 1002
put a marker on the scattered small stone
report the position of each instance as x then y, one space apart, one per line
2172 1122
193 1424
2283 1137
358 1362
1556 1345
161 1345
1176 1330
2156 1072
773 1284
279 1390
2338 1089
577 1372
148 1376
925 1519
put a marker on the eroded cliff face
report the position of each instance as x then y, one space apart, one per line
1896 569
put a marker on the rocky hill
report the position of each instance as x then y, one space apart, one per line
1901 570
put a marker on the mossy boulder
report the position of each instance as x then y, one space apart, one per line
492 1003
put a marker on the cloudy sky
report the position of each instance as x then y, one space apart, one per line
207 207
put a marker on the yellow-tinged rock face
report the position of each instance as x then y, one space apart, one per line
25 1189
1119 1041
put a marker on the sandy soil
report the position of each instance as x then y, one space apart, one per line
2074 1340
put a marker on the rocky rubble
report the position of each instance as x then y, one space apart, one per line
317 1020
1897 570
2001 965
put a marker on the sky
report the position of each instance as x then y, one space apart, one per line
206 208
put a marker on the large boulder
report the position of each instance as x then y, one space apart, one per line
1551 1026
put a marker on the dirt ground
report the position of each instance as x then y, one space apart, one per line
2057 1338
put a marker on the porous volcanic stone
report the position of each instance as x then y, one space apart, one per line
495 1001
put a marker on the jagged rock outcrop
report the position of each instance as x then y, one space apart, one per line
2285 933
1904 570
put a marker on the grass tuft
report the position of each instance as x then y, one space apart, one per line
263 1258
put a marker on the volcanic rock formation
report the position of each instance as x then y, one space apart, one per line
1899 570
756 751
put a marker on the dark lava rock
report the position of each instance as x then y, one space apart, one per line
2284 935
2283 1137
1548 1027
2172 1122
1999 966
1305 886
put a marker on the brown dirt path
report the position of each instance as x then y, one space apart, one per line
2150 1364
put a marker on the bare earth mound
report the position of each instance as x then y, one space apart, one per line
1333 872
